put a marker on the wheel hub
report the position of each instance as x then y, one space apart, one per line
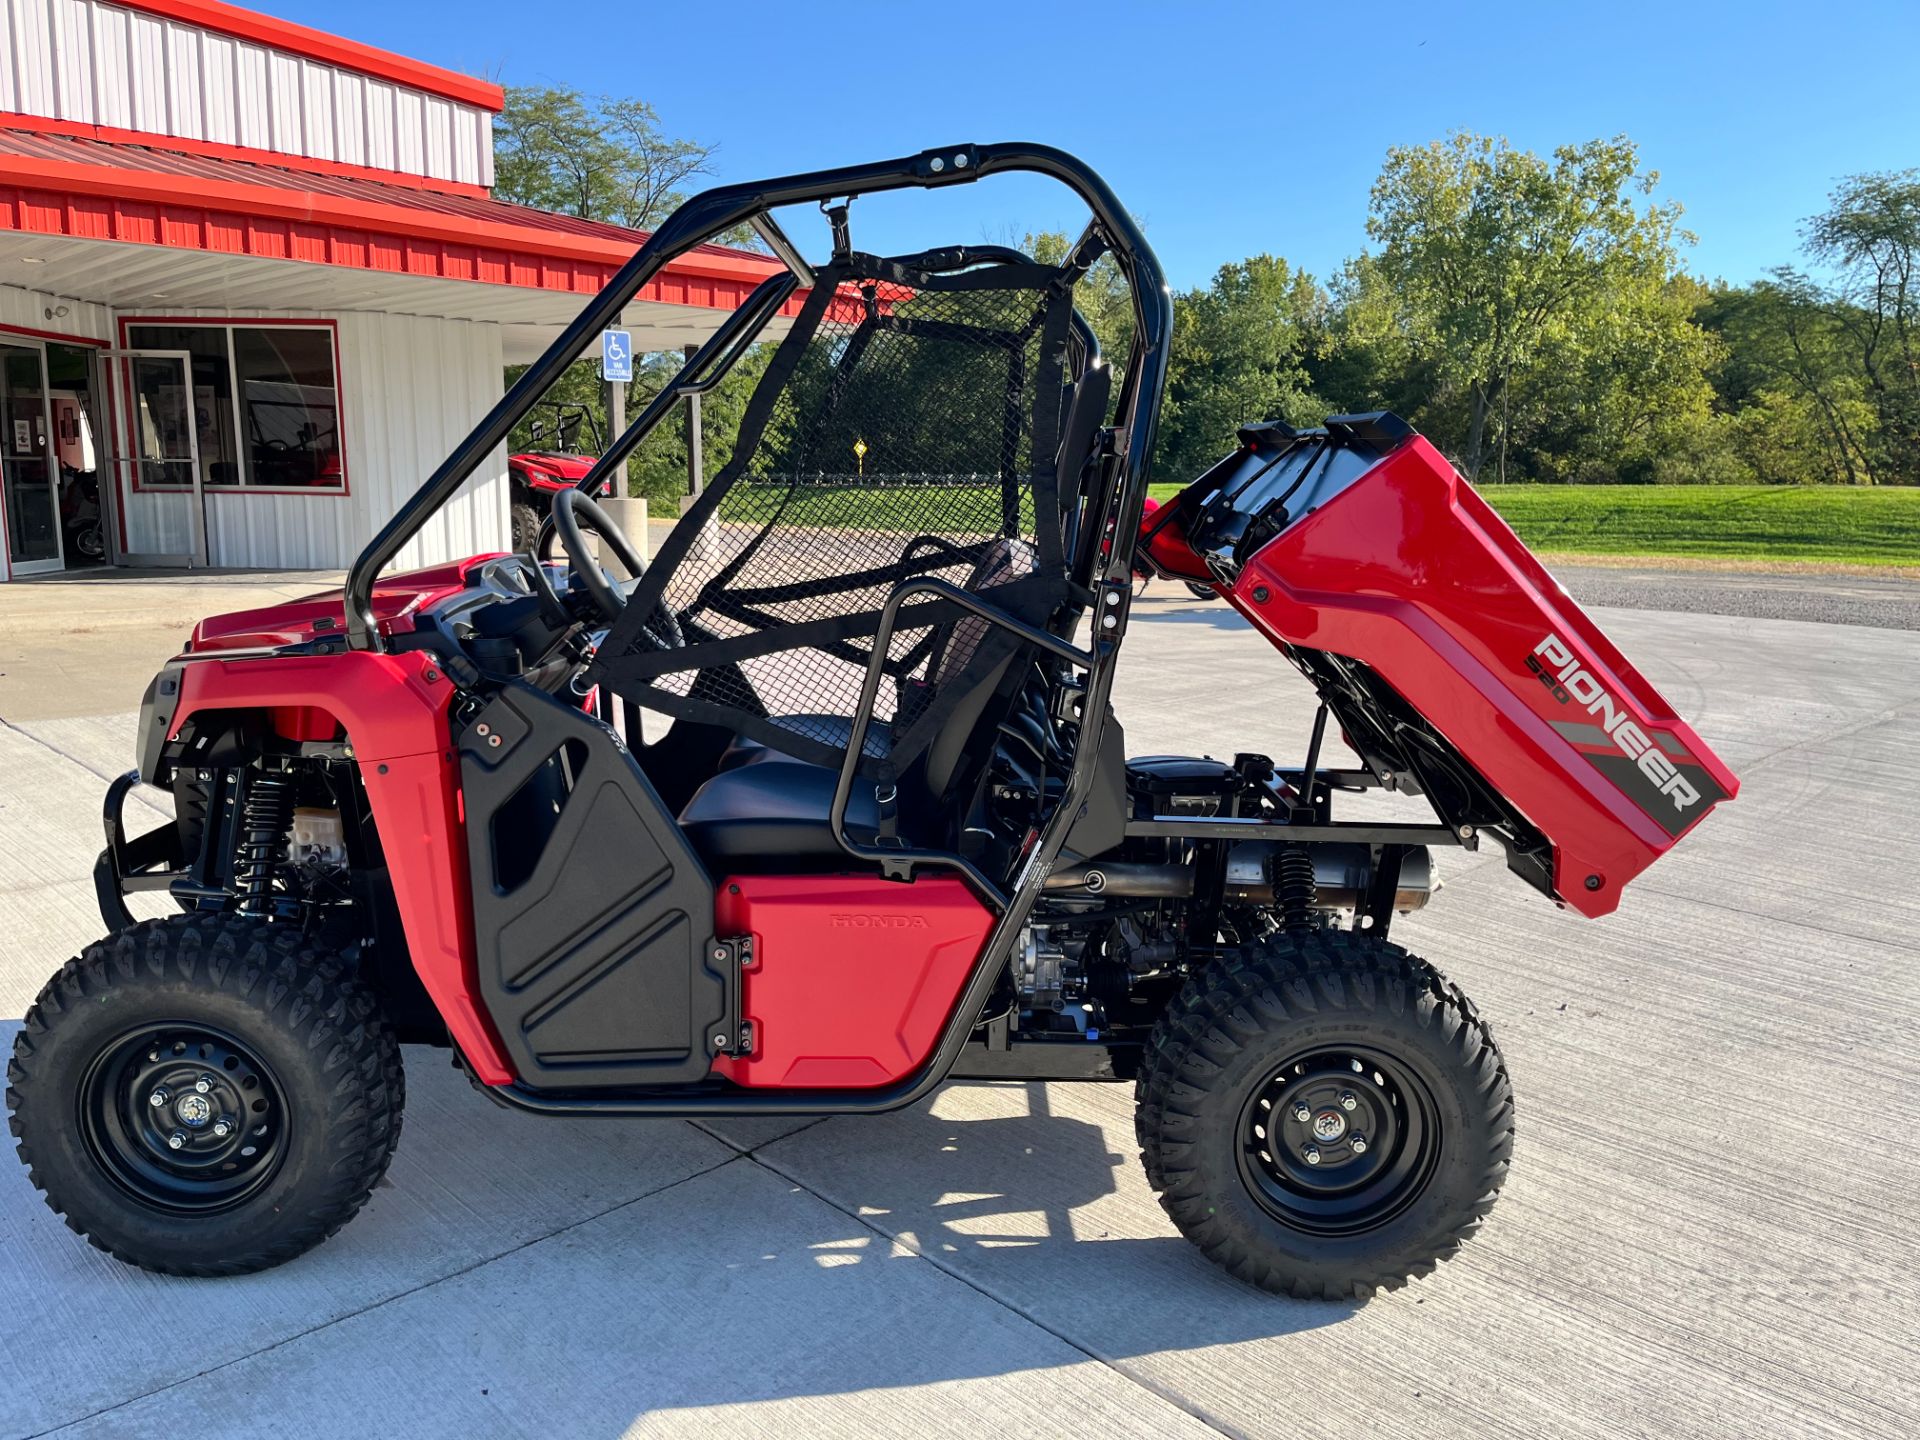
1338 1140
1329 1125
183 1117
194 1109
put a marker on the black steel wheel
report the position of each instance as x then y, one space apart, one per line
1324 1114
183 1117
206 1094
1339 1140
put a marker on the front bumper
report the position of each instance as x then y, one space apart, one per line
152 861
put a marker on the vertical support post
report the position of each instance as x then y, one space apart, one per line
1310 773
696 460
617 425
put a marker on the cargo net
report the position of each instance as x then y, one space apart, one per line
905 427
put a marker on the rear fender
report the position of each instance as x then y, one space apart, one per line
394 709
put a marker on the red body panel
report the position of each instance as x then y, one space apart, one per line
1413 573
293 622
853 977
551 470
395 718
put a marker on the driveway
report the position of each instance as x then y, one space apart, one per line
1710 1230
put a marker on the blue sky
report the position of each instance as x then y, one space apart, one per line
1229 129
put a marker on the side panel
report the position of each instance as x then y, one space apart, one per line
396 721
1411 572
591 914
852 976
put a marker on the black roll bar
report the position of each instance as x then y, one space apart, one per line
715 211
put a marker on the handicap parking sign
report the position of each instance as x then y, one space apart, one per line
616 355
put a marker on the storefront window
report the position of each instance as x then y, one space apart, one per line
265 400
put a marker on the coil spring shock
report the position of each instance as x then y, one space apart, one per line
1294 890
266 822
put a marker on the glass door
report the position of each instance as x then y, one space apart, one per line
158 483
26 465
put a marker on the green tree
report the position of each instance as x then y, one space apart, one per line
1789 384
606 158
599 158
1240 353
1869 236
1492 258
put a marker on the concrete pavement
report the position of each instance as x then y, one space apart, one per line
1710 1229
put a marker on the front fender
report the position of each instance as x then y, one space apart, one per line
394 709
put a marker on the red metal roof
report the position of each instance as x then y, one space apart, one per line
91 189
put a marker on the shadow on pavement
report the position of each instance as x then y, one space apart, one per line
599 1271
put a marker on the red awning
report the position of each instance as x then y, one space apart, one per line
92 189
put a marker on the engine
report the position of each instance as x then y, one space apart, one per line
1113 935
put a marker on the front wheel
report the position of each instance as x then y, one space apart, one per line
205 1094
525 527
1324 1115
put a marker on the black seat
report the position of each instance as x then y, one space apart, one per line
774 806
764 805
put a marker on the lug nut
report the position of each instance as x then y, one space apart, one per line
222 1129
158 1098
1359 1143
1310 1155
176 1140
204 1084
1302 1114
1348 1100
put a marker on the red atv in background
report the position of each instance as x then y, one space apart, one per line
534 477
892 835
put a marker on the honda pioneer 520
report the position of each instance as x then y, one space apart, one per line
888 833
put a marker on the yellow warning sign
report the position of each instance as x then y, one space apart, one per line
860 455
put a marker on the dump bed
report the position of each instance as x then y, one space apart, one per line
1363 542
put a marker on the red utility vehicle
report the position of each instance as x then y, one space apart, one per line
891 835
534 477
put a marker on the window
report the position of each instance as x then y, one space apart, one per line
266 402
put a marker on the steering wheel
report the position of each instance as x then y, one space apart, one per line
570 507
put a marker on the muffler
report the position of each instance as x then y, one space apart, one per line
1342 875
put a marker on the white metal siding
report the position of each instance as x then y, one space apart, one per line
411 388
97 64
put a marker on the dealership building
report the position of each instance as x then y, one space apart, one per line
254 287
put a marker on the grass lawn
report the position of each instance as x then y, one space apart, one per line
1859 525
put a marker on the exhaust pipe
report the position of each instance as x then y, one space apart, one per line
1140 879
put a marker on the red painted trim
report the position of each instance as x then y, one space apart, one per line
98 202
222 322
214 150
261 29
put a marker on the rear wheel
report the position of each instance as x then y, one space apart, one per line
1325 1115
206 1094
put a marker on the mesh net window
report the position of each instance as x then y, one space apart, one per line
905 427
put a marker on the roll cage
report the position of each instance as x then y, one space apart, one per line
1098 554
